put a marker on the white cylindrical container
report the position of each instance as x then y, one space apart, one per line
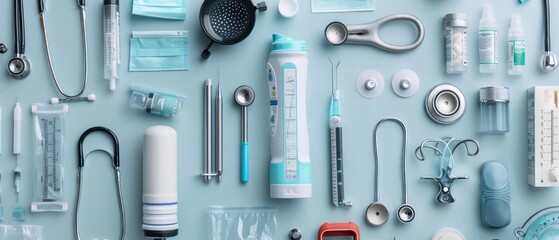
456 42
488 41
290 167
160 183
516 46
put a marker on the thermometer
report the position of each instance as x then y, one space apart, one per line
336 146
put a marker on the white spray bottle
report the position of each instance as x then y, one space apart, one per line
290 167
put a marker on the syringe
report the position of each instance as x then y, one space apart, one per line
111 30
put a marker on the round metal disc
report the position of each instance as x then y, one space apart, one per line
445 104
336 33
377 214
405 83
244 95
406 213
370 84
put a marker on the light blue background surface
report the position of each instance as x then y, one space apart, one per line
244 63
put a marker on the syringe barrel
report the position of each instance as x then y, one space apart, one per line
111 34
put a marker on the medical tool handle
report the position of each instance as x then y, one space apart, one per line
370 33
244 162
219 133
17 129
116 153
208 130
244 145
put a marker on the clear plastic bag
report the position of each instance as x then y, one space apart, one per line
21 232
49 122
49 125
247 223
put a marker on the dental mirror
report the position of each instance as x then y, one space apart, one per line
244 96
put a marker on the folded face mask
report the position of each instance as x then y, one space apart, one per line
158 51
168 9
324 6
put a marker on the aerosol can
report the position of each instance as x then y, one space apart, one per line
290 167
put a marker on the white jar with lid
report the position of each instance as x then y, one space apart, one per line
456 42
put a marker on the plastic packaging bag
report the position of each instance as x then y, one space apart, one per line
21 232
248 223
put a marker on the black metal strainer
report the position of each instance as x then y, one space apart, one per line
228 21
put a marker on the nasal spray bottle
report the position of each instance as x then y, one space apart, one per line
488 40
160 183
290 167
516 46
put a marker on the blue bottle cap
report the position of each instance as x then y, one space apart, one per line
283 43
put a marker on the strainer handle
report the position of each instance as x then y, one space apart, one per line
261 7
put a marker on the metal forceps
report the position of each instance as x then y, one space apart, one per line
446 178
337 33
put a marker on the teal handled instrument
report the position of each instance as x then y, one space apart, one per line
244 96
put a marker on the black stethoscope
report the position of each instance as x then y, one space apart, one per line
116 165
19 66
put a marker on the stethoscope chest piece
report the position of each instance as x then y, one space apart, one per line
377 214
370 84
19 67
336 33
445 104
406 213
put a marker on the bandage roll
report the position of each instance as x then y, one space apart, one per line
160 183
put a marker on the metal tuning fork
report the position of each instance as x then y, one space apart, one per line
445 148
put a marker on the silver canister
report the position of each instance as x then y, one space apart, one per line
494 109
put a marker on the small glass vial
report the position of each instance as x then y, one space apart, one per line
155 102
494 110
456 42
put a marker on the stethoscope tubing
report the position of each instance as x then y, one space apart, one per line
116 165
81 5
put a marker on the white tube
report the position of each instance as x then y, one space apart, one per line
17 129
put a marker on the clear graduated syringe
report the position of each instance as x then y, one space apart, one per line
111 34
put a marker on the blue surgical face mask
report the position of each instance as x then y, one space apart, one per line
159 51
323 6
168 9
